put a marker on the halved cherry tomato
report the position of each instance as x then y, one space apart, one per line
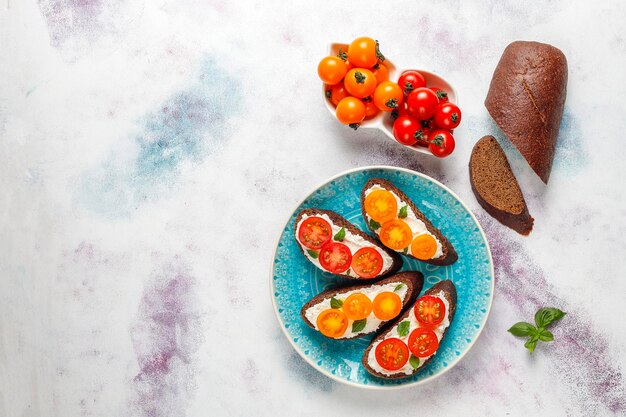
392 354
441 143
370 108
388 96
314 232
381 72
357 306
381 205
447 116
332 322
363 52
429 311
360 82
331 70
350 111
405 129
424 247
396 234
441 94
387 305
423 342
410 80
422 103
367 262
423 136
336 93
335 257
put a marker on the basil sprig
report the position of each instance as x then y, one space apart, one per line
543 318
335 303
403 328
340 235
404 211
358 325
374 224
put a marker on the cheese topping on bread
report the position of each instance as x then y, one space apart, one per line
408 369
372 322
416 225
351 240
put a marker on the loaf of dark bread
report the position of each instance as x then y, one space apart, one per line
414 280
449 293
449 255
526 99
496 188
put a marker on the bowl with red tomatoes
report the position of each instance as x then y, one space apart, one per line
364 89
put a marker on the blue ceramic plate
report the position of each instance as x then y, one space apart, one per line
294 280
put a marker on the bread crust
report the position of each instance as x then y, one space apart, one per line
526 99
522 223
414 280
342 222
449 293
449 255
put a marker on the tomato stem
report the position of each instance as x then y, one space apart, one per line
342 55
441 94
454 117
360 78
408 87
394 114
329 94
354 126
392 103
379 55
437 140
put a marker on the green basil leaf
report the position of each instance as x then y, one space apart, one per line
404 211
313 254
374 224
403 328
522 329
335 303
399 286
405 250
358 325
530 345
348 271
414 361
546 336
548 315
341 234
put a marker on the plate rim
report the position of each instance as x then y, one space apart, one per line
357 384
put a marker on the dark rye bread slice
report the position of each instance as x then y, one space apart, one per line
342 222
449 255
526 99
496 188
414 280
449 293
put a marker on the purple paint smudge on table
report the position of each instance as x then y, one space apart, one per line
165 338
579 354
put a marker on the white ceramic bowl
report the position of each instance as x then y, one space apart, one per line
382 121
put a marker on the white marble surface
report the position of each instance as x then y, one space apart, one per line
137 139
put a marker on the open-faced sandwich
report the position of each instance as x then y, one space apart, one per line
412 340
401 226
335 245
349 312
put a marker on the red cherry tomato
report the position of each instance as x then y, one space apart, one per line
314 232
441 143
410 80
447 116
404 129
441 94
423 136
335 257
392 354
423 342
367 262
429 310
422 103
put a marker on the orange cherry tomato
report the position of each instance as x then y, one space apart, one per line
370 109
387 305
350 110
314 232
336 93
331 70
363 52
360 82
396 234
424 247
332 323
423 342
367 262
381 72
357 306
388 96
392 354
381 206
429 311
